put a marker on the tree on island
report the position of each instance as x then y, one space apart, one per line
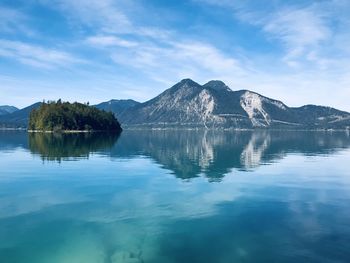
65 116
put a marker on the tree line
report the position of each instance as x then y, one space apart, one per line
64 116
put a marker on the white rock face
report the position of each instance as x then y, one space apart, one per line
202 106
252 154
252 104
206 104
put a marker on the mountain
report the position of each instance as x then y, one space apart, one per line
19 118
7 109
117 106
188 104
214 105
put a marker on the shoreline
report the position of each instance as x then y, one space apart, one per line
173 128
72 131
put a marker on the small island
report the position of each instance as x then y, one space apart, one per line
58 116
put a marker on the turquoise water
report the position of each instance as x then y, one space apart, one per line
175 196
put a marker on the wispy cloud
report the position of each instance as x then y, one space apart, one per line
302 31
306 32
175 59
14 21
104 14
36 56
110 41
163 55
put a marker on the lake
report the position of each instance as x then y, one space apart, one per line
175 196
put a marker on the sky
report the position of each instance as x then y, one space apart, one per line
96 50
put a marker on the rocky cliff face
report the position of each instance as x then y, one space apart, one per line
215 105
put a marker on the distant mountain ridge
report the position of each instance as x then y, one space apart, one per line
117 106
213 105
19 118
6 109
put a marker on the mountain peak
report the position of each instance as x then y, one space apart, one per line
217 85
185 84
188 81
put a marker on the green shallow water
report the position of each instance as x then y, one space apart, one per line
175 196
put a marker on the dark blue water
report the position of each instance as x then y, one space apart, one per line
175 196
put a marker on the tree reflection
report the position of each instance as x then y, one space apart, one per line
61 146
186 153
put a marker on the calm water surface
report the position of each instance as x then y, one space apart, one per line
175 196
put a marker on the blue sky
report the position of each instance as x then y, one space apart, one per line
96 50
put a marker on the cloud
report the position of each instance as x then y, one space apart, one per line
306 32
154 50
178 59
300 27
109 41
13 21
300 30
36 56
104 14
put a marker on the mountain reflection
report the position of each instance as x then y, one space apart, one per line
213 154
187 154
58 147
